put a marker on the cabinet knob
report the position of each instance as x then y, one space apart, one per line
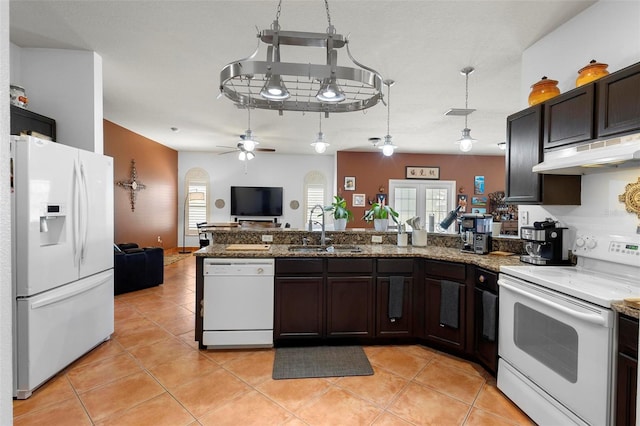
481 278
442 325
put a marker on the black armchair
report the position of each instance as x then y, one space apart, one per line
136 268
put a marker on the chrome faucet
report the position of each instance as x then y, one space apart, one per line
322 235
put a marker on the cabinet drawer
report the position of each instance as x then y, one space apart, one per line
486 280
628 336
350 266
453 271
395 266
299 266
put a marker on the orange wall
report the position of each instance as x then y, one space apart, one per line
373 171
155 212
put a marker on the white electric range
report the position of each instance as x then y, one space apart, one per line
557 331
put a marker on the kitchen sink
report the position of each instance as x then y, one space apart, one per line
338 248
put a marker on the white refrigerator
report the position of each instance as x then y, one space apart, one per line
62 257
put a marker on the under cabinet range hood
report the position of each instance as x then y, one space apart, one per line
623 151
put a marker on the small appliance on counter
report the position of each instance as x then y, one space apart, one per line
546 244
475 231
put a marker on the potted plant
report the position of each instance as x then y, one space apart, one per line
341 214
380 214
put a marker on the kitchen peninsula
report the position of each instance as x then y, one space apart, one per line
343 296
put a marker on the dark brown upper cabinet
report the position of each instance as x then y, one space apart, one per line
570 118
619 102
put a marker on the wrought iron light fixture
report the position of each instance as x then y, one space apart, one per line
320 145
388 147
466 141
502 145
288 86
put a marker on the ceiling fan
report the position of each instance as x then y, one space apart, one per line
246 147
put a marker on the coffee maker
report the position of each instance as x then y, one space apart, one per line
545 244
475 231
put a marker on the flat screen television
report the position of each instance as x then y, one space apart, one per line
256 201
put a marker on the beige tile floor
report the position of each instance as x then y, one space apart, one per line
152 373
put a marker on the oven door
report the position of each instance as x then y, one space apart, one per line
560 344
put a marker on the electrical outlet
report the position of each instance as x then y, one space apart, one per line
376 238
267 238
159 239
525 218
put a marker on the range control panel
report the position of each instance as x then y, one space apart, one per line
615 248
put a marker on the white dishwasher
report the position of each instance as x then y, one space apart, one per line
238 303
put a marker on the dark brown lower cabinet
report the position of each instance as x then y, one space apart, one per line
299 307
349 306
627 371
485 346
394 327
436 331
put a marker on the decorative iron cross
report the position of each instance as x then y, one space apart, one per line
132 185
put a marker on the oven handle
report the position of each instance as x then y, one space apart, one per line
594 319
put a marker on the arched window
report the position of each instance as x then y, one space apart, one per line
315 192
196 201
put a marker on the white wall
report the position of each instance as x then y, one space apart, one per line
267 169
6 376
65 85
608 32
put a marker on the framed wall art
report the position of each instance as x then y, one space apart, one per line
358 200
422 172
349 183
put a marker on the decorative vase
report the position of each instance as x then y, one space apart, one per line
380 224
591 72
543 90
339 224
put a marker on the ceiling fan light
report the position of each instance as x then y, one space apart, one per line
249 144
250 156
242 156
274 89
330 92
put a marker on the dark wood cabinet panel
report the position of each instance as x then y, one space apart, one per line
446 270
349 307
570 117
437 332
619 102
350 266
484 348
23 120
627 371
524 150
299 266
299 307
398 327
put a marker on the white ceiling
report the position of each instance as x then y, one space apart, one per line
162 59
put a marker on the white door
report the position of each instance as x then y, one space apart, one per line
96 213
56 327
561 344
43 216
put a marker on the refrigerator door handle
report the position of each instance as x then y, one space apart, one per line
75 214
84 213
97 281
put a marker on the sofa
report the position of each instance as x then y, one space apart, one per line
137 268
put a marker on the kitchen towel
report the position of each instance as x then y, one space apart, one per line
396 296
449 303
489 302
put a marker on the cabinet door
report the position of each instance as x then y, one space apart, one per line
440 333
569 118
299 307
524 150
484 349
398 327
349 307
619 102
626 391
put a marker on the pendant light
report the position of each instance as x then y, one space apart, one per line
320 145
388 147
246 141
465 143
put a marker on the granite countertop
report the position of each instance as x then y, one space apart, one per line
488 261
626 310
